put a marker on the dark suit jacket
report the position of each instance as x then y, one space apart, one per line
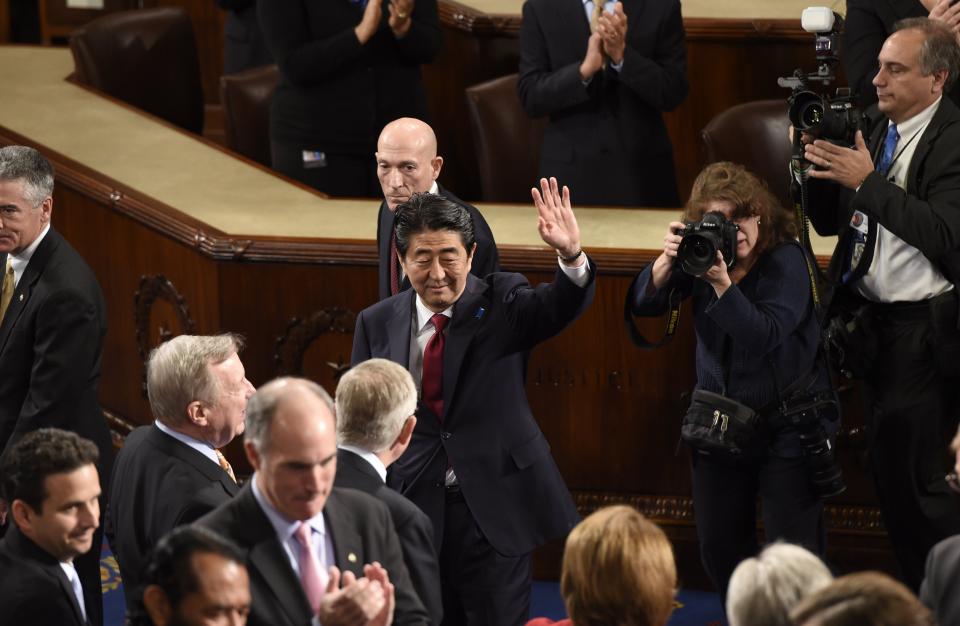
362 532
159 483
606 140
335 94
33 587
927 216
413 528
868 24
486 260
50 348
939 588
244 47
488 433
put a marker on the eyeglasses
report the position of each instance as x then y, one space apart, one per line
953 481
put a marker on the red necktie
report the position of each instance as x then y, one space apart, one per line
431 382
394 265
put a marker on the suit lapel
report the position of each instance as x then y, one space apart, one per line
398 328
347 545
571 12
22 546
270 559
194 459
469 315
32 273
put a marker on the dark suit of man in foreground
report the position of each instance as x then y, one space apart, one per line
408 163
172 472
298 532
895 204
50 480
604 93
478 464
52 329
375 403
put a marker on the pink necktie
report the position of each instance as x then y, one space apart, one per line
431 383
309 568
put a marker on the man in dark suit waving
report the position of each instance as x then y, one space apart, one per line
408 163
172 472
51 332
299 533
375 403
50 480
478 464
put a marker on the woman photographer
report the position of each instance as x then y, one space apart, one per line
757 342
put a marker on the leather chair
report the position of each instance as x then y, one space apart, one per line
146 58
246 100
753 134
506 140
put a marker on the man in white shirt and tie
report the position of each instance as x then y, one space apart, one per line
315 553
894 200
51 484
172 472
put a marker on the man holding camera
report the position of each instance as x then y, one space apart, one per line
894 201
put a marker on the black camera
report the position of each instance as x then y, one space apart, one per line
818 454
836 118
701 240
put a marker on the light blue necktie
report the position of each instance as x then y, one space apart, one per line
858 242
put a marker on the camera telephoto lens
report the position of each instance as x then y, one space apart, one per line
697 253
825 473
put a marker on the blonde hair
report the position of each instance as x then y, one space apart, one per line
863 599
373 401
618 568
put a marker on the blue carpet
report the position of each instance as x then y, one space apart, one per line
694 608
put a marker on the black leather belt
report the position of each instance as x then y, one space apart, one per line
942 307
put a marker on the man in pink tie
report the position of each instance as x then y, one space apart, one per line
315 553
477 463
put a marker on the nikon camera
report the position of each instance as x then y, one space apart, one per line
701 240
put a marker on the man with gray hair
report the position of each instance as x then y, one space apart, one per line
52 324
172 472
299 532
894 201
375 402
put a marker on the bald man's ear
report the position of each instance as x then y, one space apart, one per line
436 164
157 604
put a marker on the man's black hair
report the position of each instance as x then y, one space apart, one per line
170 566
39 454
425 212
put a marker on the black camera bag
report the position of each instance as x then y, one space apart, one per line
717 425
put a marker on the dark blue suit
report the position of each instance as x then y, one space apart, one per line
508 480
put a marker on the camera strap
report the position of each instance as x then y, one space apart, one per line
673 320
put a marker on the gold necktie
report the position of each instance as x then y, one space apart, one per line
225 464
7 294
597 10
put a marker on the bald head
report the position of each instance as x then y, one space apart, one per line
407 161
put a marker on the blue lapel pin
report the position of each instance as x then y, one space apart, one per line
479 313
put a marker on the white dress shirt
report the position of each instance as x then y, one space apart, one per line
74 579
899 272
369 457
202 447
19 261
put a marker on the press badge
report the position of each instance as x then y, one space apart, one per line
859 222
313 159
